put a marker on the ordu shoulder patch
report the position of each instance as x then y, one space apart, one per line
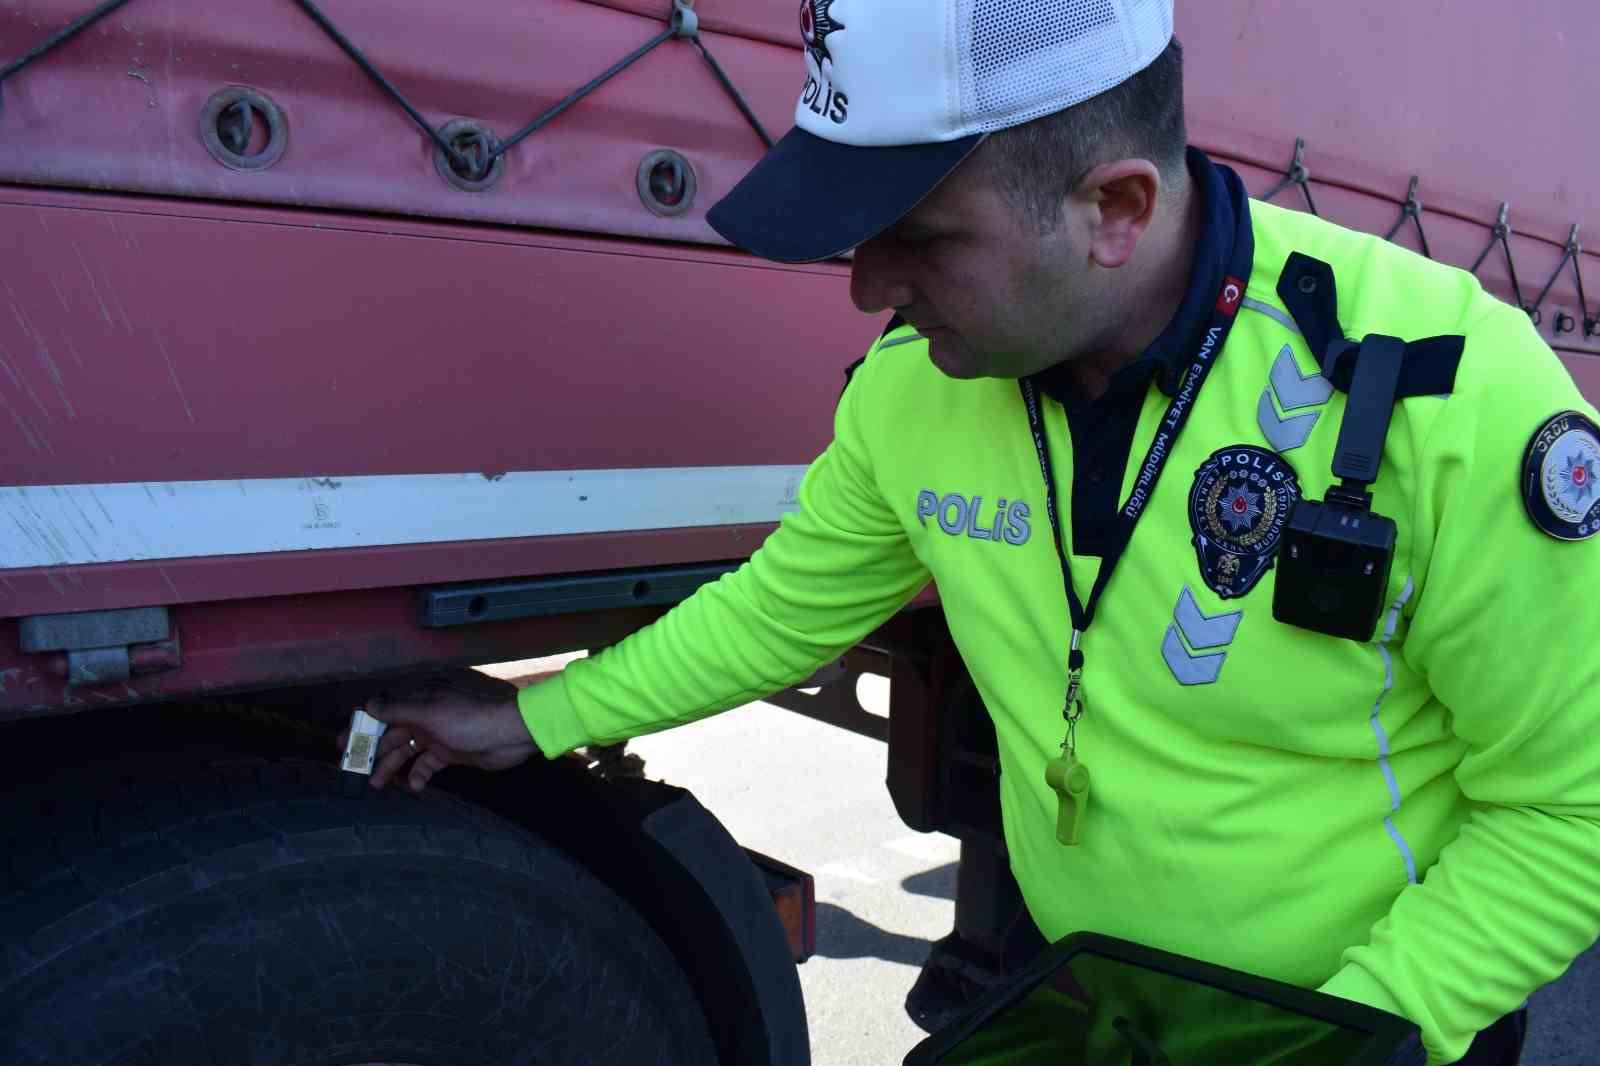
1561 477
1240 502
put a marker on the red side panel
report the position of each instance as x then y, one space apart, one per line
118 107
346 313
160 343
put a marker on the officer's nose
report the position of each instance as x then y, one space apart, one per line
877 279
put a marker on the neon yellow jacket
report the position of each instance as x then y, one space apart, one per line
1413 822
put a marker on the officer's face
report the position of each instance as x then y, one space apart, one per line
994 296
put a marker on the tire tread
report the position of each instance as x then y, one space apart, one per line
102 850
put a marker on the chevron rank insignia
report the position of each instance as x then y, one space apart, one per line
1301 396
1561 477
1208 635
1240 502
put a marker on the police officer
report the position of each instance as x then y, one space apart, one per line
1249 709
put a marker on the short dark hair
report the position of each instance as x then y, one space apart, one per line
1041 161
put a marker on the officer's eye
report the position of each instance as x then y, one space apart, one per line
915 235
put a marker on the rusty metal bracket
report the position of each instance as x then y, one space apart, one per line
1501 234
100 647
1297 174
1411 209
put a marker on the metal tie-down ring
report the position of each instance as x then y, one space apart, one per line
227 125
475 145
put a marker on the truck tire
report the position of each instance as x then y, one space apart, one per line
281 913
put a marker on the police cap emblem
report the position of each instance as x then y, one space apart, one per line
816 22
1240 502
1561 477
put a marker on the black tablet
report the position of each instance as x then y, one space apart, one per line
1092 1000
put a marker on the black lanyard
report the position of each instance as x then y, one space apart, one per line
1144 486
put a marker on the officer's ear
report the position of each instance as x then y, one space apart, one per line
1120 198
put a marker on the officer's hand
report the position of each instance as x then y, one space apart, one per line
450 729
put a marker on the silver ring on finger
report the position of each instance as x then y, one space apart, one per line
413 744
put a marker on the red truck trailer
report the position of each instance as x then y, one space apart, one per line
349 346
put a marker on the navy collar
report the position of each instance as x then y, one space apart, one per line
1224 220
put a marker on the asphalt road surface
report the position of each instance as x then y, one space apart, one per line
813 796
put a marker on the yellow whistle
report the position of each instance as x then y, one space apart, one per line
1070 780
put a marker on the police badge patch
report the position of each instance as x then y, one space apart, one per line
1561 477
1241 500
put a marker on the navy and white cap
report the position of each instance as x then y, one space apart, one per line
899 92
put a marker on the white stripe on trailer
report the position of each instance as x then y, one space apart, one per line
69 525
